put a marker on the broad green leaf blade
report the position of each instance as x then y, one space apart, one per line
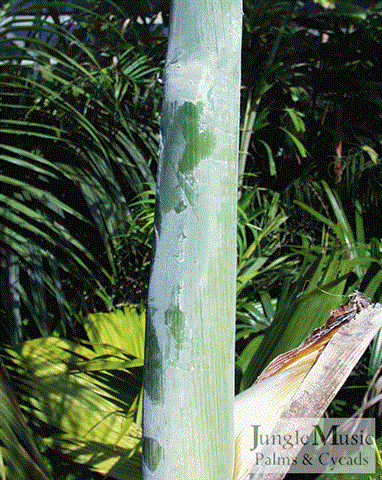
271 160
296 118
19 450
91 399
246 355
300 147
301 308
345 228
124 330
322 218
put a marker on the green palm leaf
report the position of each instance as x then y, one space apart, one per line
79 130
90 393
302 307
19 451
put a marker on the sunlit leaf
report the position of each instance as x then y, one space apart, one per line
300 147
371 152
89 392
327 4
296 118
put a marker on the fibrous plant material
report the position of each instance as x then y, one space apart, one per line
301 383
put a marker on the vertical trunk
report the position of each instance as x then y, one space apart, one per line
189 362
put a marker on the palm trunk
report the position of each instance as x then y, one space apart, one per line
189 357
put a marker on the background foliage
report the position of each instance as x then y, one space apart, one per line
80 96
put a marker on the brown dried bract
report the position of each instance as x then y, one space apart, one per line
317 340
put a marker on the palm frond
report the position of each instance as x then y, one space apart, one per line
19 450
77 145
86 397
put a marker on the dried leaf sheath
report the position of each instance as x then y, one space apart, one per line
274 390
319 337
